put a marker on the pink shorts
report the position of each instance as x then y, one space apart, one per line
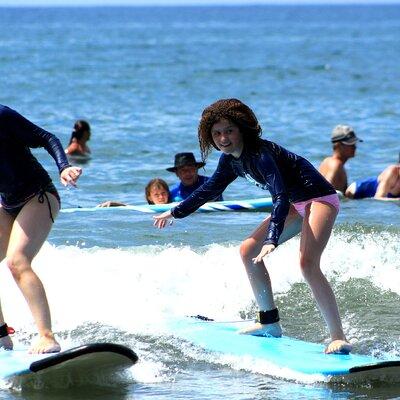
332 199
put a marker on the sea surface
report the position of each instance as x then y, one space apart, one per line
141 77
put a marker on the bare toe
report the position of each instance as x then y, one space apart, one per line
339 347
45 345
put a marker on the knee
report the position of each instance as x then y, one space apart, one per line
308 266
247 250
17 264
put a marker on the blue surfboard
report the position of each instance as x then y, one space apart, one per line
285 353
262 204
78 365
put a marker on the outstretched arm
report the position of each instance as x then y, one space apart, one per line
221 178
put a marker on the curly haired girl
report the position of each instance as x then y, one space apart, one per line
303 201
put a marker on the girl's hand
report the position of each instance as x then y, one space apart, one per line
70 175
266 249
160 221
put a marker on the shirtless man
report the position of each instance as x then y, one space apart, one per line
332 168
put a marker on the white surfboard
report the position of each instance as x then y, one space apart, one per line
261 204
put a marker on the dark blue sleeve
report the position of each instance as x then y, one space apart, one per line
33 136
280 199
219 198
222 177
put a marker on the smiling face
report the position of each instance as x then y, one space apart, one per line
187 174
227 137
158 195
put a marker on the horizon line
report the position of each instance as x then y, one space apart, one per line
198 3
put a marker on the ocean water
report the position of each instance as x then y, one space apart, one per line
141 77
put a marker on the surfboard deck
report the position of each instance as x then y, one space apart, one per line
261 204
73 366
285 353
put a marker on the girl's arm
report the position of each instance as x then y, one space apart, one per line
213 188
280 198
222 177
33 136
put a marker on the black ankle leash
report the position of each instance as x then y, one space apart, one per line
6 330
268 317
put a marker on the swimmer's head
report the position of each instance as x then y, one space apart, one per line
344 134
81 128
157 192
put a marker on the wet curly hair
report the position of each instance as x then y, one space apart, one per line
235 111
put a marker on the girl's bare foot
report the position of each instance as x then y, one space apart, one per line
6 343
258 329
338 347
45 344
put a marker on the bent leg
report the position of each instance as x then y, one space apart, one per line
6 222
29 231
257 273
317 227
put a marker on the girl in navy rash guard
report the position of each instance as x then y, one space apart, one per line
303 201
29 204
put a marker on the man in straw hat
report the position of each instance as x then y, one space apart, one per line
186 169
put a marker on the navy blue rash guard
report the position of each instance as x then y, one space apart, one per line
21 174
288 177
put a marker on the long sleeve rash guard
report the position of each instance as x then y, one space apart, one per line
288 177
20 173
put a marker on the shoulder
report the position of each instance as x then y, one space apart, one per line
175 188
224 162
224 158
9 120
332 162
72 148
270 150
267 152
391 170
6 112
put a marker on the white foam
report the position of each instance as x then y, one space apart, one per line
113 286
